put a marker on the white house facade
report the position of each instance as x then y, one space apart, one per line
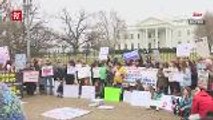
156 33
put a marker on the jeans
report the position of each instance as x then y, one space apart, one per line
50 85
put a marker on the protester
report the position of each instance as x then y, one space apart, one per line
103 77
48 79
120 73
162 81
202 102
185 103
71 77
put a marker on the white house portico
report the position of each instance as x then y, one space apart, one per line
156 33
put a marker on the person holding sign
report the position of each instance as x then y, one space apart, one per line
71 73
103 76
47 74
120 73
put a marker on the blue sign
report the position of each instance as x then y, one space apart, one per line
131 55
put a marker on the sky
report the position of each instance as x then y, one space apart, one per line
132 11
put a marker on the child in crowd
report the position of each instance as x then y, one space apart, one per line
60 89
182 106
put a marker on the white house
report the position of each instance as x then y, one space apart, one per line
156 33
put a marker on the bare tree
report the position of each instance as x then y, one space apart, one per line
206 29
76 29
109 28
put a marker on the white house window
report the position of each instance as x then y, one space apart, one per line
179 33
188 32
131 36
132 46
119 47
125 46
139 46
138 36
179 42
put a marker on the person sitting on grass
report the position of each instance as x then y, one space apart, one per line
184 104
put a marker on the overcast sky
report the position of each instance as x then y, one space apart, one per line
130 10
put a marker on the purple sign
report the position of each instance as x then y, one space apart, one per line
131 55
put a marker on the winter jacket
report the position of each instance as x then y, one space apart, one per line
202 104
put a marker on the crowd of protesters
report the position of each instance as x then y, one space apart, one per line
113 72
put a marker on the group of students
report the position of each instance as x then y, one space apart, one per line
113 72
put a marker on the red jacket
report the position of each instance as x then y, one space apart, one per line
202 103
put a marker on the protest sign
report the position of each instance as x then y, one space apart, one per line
133 74
88 92
4 54
30 76
84 72
203 77
149 77
141 98
47 71
96 72
20 61
112 94
65 113
104 51
71 70
202 47
71 91
134 55
183 50
156 55
166 102
127 96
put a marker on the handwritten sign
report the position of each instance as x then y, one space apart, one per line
71 70
104 51
20 61
202 47
147 76
183 50
47 71
30 76
203 78
131 55
96 72
4 54
84 72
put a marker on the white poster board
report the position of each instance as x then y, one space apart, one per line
71 70
183 50
84 72
202 47
104 51
166 102
4 54
127 96
96 72
71 91
65 113
141 98
203 77
20 61
30 76
88 92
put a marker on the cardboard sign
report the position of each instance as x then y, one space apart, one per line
71 70
183 50
4 54
133 74
202 47
84 72
47 71
131 56
141 98
30 76
20 61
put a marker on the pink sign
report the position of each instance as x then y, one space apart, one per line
30 76
47 71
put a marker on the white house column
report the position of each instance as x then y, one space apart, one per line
167 38
146 38
156 38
